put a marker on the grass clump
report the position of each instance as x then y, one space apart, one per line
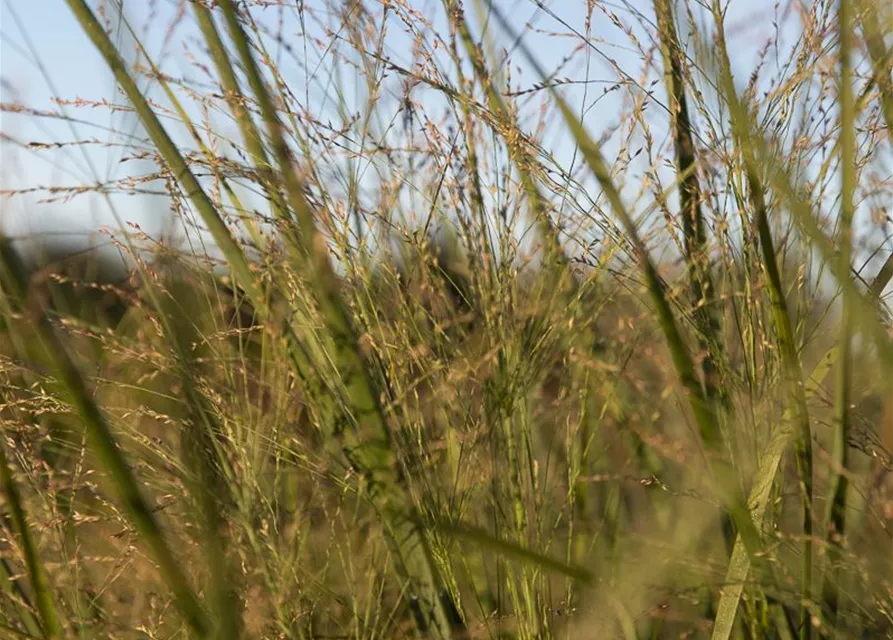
409 373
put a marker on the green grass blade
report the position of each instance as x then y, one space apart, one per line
43 598
881 58
235 99
508 548
882 72
739 567
21 601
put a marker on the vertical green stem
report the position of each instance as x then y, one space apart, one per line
43 598
839 460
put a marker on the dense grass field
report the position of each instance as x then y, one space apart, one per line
410 374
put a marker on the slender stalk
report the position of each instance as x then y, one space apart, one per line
468 123
840 459
43 597
865 304
882 68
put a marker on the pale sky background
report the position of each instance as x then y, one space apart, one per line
44 33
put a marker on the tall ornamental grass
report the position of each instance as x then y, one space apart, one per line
410 374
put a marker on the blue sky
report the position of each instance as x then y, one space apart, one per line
76 71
